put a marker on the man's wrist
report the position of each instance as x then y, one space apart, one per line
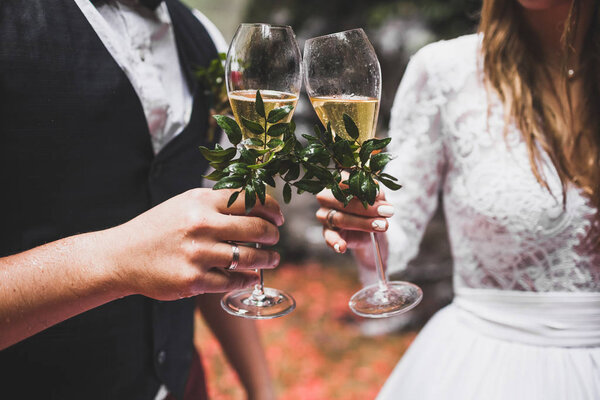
105 257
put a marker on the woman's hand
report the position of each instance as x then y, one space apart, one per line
348 227
179 248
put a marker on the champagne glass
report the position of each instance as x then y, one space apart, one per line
266 58
343 76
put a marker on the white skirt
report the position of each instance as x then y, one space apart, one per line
492 345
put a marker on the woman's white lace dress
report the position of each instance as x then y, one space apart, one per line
525 322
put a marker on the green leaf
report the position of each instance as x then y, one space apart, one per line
318 130
219 166
337 193
260 189
274 143
343 153
389 183
266 176
388 176
379 161
262 164
215 175
354 183
254 142
310 139
218 155
365 151
258 152
278 129
247 156
259 106
350 126
288 147
321 173
379 144
337 176
238 168
292 126
232 198
313 187
230 127
368 188
250 198
287 193
293 173
278 114
252 126
229 182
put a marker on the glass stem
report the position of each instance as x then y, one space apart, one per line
259 292
379 263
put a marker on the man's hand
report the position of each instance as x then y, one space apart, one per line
179 248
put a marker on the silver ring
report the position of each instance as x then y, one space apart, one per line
235 259
329 219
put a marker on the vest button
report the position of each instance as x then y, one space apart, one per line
161 357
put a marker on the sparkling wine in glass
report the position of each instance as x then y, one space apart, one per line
266 58
342 76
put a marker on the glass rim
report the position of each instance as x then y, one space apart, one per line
337 33
260 24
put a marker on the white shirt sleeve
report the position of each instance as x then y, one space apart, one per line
419 163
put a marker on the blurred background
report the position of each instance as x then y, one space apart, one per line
321 350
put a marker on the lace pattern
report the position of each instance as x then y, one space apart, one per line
506 230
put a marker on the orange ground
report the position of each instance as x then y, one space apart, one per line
317 352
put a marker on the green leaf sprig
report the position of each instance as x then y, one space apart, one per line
259 159
277 152
363 161
212 79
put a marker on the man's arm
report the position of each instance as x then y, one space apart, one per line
241 344
177 249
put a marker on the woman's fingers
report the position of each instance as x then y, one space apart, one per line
335 240
341 241
381 208
221 256
342 220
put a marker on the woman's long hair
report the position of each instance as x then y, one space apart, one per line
514 66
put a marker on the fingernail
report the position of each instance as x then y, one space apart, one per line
378 225
336 247
385 210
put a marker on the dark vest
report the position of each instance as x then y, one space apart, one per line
76 156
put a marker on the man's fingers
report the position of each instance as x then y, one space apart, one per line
249 257
218 280
381 208
247 230
269 211
343 220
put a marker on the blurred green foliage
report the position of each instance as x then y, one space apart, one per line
446 18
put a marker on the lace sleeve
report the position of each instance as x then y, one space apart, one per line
419 162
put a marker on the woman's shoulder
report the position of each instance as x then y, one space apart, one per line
452 50
449 61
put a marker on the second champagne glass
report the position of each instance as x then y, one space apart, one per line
266 58
343 76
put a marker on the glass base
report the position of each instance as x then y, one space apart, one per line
272 304
376 301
